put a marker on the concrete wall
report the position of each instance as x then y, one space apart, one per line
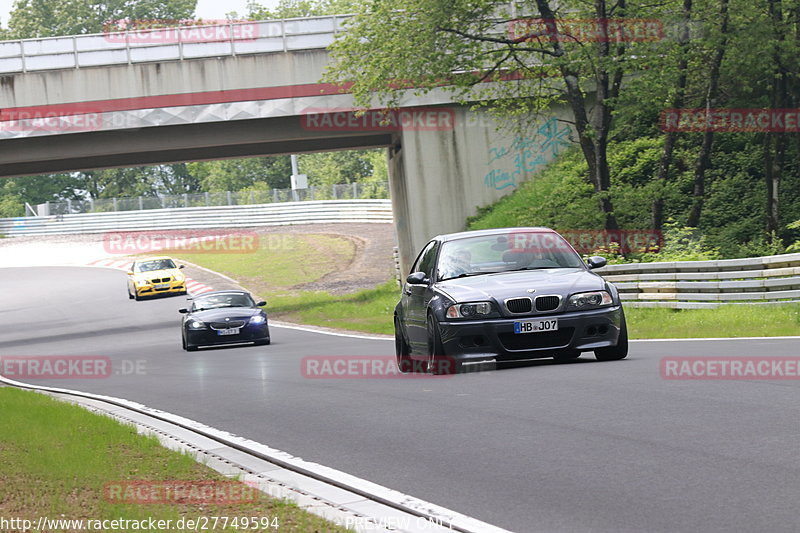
439 178
54 87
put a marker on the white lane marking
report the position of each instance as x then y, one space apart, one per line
438 515
285 325
717 339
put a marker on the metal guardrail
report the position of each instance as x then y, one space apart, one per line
165 44
772 279
235 216
340 191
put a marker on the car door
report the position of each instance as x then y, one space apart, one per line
417 297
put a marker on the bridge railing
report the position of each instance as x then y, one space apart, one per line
164 44
700 284
234 216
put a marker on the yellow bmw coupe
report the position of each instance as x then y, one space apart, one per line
157 275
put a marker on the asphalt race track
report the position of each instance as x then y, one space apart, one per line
545 447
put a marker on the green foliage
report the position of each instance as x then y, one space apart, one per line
46 18
302 8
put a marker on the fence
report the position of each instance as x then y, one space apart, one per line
165 44
699 284
234 216
349 191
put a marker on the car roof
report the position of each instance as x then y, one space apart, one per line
229 291
494 231
152 259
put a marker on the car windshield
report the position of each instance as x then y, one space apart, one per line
489 254
155 264
216 301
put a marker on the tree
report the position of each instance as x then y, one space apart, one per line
537 60
239 174
302 8
46 18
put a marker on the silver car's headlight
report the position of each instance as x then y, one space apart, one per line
196 324
589 300
469 310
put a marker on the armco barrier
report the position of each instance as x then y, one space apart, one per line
234 216
773 279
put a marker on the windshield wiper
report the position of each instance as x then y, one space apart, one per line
531 268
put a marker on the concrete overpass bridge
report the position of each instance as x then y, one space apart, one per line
249 89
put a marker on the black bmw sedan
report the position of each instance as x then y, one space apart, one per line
505 294
224 317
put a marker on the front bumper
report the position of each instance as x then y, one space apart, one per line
172 287
209 337
495 338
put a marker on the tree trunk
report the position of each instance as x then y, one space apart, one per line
592 134
779 99
657 211
704 158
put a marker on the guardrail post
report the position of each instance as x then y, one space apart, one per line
114 201
75 51
230 201
69 206
185 200
91 205
233 42
275 195
334 191
141 204
207 201
355 190
22 55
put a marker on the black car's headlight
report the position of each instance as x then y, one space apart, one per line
196 324
258 319
589 300
470 310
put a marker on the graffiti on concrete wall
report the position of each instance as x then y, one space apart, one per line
525 154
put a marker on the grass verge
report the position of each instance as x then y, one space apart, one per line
57 460
368 311
724 321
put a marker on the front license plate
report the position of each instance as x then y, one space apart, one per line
162 285
536 326
231 331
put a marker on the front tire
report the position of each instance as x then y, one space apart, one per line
401 349
438 362
620 351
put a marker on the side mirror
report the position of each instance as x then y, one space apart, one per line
183 310
596 261
262 303
181 266
417 278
